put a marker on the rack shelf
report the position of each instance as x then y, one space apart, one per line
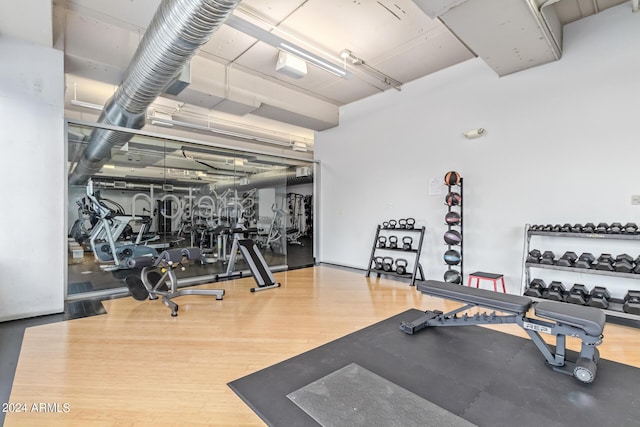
615 311
416 272
583 270
585 235
452 274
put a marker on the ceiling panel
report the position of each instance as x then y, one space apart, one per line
226 44
235 73
129 14
434 53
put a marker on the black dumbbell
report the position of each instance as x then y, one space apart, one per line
556 228
555 291
547 227
411 223
636 268
602 228
402 224
534 256
548 258
632 302
630 228
407 243
578 294
387 263
585 260
393 242
599 297
536 288
624 263
401 266
615 228
382 242
566 228
605 262
378 263
534 227
393 223
568 259
589 228
577 228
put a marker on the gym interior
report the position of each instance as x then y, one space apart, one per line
276 217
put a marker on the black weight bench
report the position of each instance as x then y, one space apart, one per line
158 271
586 323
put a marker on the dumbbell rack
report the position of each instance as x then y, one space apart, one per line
460 226
416 272
614 313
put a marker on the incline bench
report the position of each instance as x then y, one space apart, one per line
586 323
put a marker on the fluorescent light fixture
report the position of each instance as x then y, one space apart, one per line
86 105
77 103
108 166
215 131
161 119
299 146
318 62
368 69
278 42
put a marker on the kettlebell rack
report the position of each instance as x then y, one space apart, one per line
393 237
453 237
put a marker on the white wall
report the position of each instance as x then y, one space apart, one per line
562 145
32 173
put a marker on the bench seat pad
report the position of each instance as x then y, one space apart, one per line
589 319
494 300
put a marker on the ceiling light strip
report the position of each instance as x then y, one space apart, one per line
280 43
232 134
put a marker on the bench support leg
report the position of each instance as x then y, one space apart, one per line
583 369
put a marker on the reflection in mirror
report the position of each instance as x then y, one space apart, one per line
152 194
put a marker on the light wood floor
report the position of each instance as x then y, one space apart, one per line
138 366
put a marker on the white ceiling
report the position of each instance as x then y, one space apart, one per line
234 76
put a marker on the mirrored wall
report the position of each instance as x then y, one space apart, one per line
142 193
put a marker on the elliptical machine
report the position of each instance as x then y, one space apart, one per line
103 239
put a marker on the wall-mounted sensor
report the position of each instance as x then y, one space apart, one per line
474 133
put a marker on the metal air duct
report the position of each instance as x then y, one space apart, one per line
178 29
266 180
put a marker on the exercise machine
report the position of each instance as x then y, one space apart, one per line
158 277
108 229
253 257
586 323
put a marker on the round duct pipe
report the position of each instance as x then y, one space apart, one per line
178 29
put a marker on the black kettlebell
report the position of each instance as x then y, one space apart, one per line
402 223
382 242
378 263
411 223
393 223
387 263
407 242
393 242
401 266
